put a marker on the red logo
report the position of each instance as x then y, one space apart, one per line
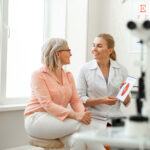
143 8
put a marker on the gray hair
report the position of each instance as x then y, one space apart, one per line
49 49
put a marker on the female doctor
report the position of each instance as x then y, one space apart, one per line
99 82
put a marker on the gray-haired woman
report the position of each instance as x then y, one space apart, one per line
47 114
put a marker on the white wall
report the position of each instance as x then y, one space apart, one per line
76 32
12 131
0 35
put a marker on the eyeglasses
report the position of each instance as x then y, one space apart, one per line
67 50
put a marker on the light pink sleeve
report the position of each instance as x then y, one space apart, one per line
75 102
41 93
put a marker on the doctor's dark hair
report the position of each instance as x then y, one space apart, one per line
110 43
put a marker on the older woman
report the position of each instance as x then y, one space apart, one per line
99 81
53 89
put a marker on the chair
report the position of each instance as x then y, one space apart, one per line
46 144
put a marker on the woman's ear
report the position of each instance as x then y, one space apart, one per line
57 54
110 51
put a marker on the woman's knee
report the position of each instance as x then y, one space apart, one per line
50 127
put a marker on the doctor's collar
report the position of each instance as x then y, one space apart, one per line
94 65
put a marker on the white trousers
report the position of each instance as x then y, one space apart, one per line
44 125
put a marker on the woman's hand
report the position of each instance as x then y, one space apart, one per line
110 100
84 117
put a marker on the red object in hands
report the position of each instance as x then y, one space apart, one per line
125 89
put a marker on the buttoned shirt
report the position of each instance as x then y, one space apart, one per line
49 95
92 84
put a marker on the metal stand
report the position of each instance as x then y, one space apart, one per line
141 85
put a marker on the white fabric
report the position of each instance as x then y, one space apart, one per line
92 84
43 125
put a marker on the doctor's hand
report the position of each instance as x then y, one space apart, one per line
110 100
127 101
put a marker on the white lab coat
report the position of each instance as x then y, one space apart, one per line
92 84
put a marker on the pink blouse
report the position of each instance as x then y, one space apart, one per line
49 95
